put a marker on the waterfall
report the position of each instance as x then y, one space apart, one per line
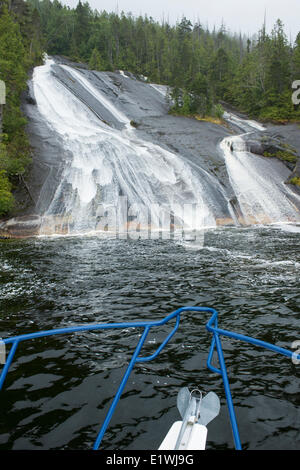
262 195
113 179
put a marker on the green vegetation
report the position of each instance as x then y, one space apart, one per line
215 115
202 67
20 49
263 80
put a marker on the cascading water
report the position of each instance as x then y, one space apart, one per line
262 195
115 181
111 170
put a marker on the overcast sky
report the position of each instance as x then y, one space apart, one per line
238 15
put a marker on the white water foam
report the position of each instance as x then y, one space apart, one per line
107 163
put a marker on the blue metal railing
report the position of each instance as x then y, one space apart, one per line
211 326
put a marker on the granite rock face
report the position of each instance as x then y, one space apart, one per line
146 106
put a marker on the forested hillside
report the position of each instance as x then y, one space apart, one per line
253 73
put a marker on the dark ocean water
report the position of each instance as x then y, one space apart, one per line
59 388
